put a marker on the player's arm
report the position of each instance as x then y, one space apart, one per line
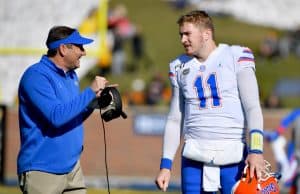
248 89
172 132
171 140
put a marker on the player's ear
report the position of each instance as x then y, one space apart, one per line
207 34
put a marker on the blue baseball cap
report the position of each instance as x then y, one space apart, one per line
74 38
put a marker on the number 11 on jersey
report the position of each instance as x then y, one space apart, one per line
210 84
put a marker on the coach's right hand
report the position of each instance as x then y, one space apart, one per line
98 85
163 179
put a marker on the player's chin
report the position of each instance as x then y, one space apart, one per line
189 53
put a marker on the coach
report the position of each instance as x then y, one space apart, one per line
51 113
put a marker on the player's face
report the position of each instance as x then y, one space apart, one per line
191 38
73 55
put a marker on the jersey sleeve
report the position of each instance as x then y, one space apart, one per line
173 67
243 57
248 89
172 133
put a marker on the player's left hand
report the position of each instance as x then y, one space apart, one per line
256 164
163 179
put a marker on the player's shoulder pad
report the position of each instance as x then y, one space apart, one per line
182 59
241 50
237 48
242 54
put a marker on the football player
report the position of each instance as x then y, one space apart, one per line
286 154
214 101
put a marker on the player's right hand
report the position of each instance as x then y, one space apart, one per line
163 179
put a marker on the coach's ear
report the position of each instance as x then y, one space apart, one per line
63 49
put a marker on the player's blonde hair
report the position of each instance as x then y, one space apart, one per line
199 18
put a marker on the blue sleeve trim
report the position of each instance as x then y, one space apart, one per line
166 163
255 151
257 131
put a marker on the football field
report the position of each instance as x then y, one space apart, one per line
15 190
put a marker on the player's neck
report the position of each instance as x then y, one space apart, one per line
206 51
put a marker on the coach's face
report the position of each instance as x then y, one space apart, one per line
73 54
192 38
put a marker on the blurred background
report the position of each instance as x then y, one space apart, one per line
134 42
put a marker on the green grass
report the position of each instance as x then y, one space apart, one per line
9 190
158 23
15 190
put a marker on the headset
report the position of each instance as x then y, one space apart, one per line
110 102
110 105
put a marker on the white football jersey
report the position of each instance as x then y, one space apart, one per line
212 105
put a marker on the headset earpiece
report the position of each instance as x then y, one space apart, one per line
105 98
110 99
